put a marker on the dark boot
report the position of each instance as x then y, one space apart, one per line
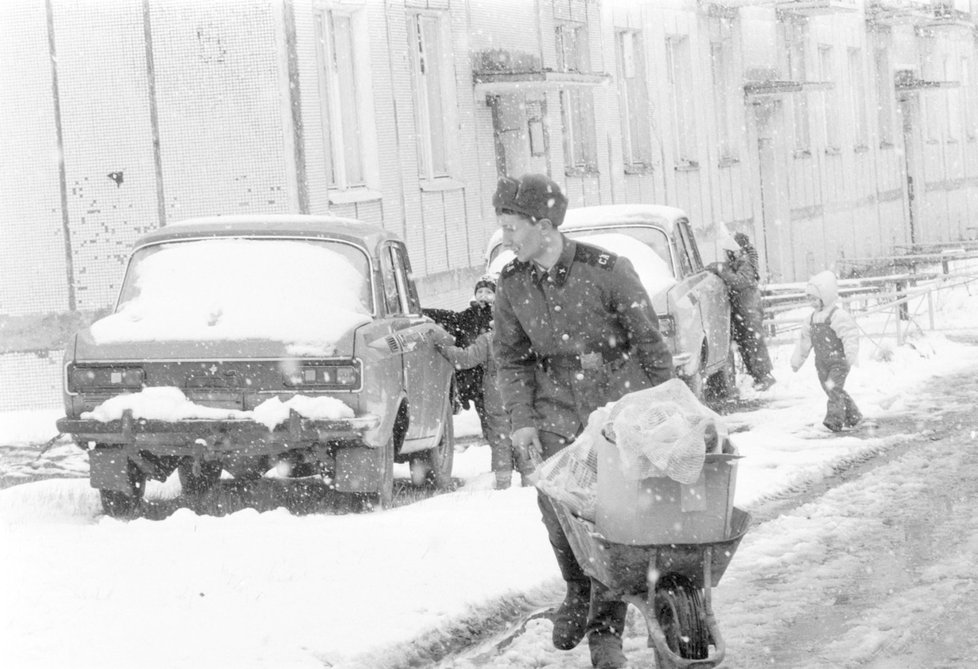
570 619
606 651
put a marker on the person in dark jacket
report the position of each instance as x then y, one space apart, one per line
574 330
741 276
471 323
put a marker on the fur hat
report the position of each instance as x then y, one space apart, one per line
534 195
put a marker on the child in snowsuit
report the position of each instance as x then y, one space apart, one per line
833 333
496 424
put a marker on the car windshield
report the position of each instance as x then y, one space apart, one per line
289 290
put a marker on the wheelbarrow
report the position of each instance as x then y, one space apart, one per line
669 583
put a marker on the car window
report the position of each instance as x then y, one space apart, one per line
682 251
692 250
407 293
392 297
238 288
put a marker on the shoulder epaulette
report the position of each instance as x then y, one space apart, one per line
592 255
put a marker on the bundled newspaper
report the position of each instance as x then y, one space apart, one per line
660 431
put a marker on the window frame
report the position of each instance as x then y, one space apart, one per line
635 107
340 182
433 165
679 67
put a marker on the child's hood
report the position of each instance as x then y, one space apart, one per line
824 286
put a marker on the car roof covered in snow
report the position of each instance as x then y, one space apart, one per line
270 225
615 215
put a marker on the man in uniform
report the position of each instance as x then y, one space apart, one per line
574 330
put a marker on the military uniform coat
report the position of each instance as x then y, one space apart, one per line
572 339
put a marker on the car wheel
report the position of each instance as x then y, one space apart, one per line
679 610
125 504
434 466
195 485
723 384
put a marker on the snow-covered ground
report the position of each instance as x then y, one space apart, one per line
276 590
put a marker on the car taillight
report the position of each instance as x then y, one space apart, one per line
91 377
317 375
667 326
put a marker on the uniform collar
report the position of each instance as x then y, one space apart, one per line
561 268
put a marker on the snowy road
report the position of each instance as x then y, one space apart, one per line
862 554
883 578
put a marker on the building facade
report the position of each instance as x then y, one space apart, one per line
825 129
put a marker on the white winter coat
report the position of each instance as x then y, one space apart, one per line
823 286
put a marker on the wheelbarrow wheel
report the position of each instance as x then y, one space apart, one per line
679 610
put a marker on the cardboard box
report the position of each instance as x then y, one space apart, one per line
660 510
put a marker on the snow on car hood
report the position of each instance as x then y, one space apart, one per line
298 293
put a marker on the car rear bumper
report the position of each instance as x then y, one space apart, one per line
240 437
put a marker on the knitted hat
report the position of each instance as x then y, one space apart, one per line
533 195
485 282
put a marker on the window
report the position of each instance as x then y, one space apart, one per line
576 104
967 117
433 94
679 67
636 116
952 103
884 96
342 116
830 102
797 71
720 54
857 87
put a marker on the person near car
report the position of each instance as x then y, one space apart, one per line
472 322
574 330
833 333
496 426
741 276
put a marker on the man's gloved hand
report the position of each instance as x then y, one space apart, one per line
526 441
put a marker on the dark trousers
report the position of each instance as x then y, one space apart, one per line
747 330
606 615
841 410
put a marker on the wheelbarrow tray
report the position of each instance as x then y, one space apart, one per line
624 568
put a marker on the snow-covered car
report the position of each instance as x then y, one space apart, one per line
250 343
691 302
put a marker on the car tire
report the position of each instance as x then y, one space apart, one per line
723 384
125 504
434 466
196 485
